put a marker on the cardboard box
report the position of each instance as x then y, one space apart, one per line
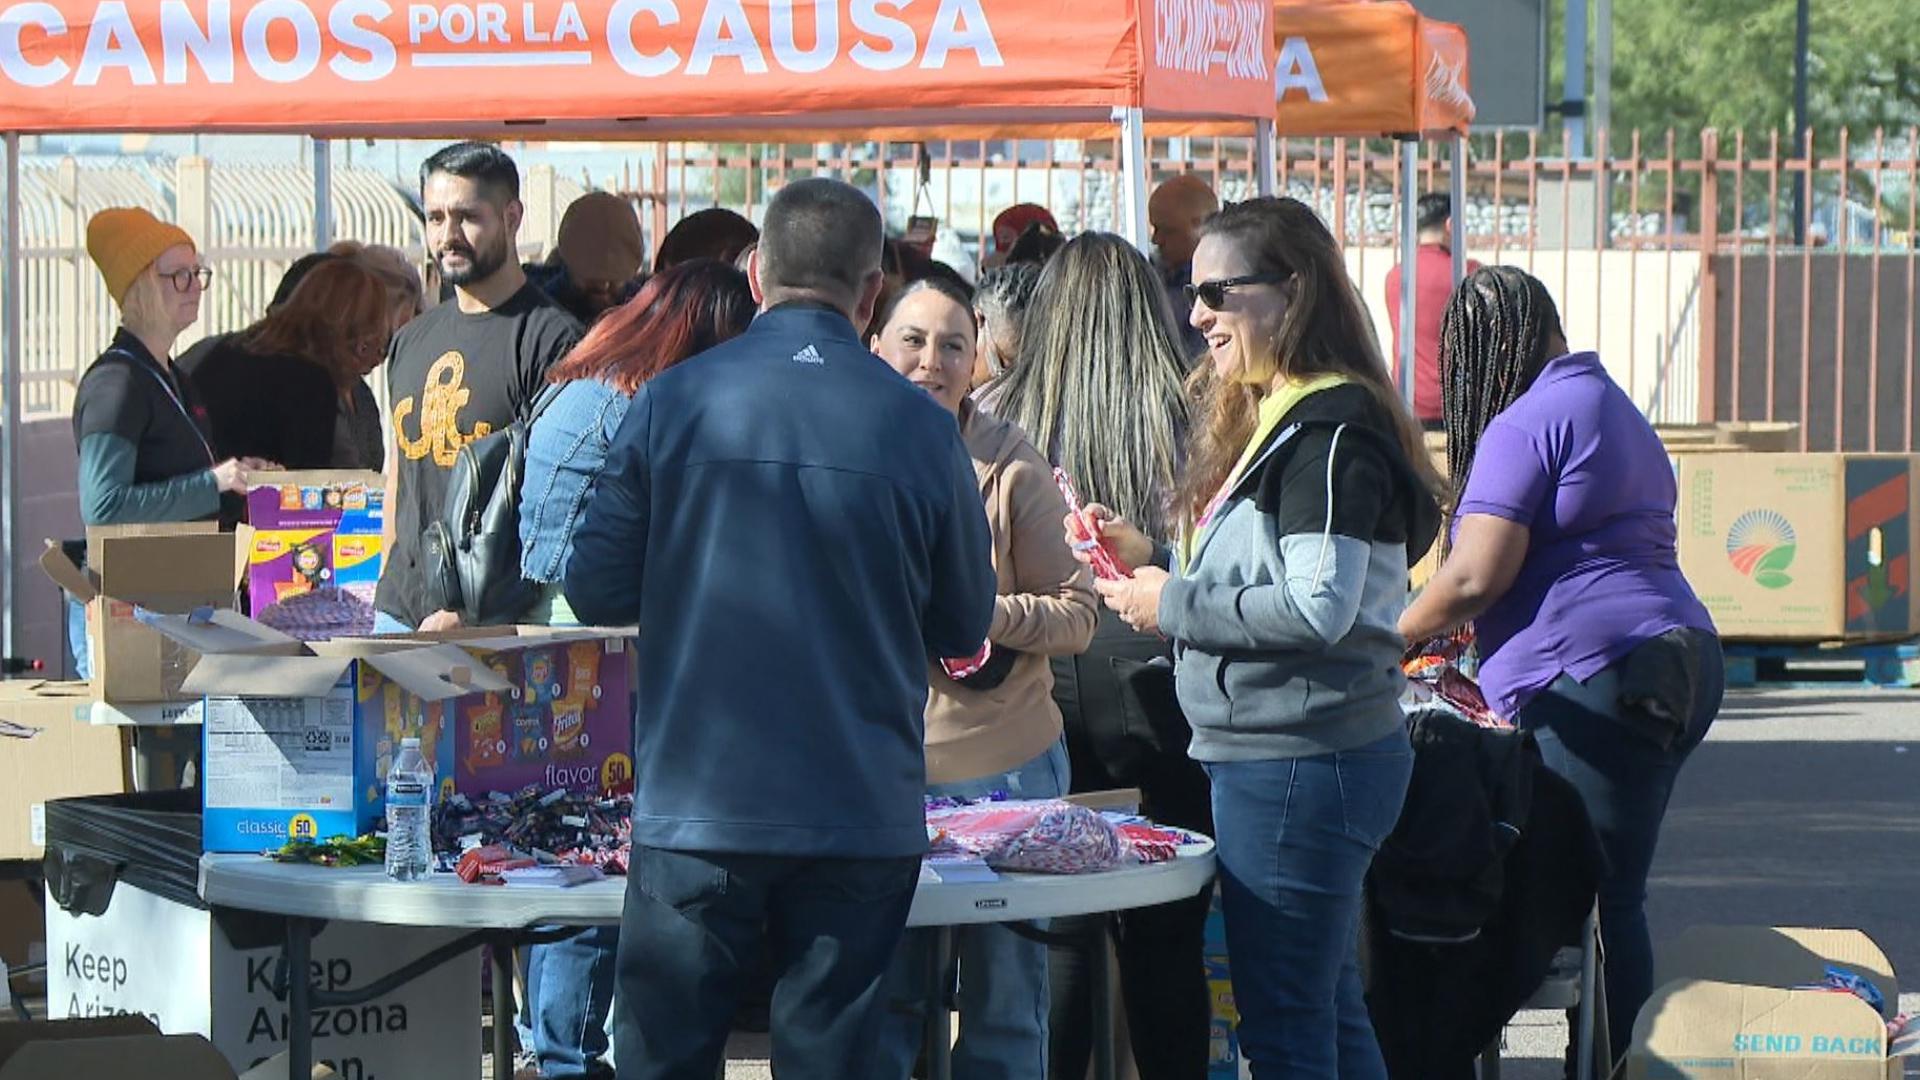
134 572
23 932
48 750
113 1046
1727 1008
299 738
177 966
313 530
1769 436
1801 547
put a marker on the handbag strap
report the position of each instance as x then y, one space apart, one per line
542 400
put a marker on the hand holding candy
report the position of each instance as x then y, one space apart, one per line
1096 536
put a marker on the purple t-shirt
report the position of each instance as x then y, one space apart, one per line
1576 463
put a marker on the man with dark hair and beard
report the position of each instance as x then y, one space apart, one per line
464 369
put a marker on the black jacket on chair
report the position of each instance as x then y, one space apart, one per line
1491 871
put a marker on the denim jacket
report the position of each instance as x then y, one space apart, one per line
565 453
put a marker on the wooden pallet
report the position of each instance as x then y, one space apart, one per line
1893 664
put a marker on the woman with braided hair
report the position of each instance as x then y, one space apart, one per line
1563 557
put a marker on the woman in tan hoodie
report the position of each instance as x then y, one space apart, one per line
997 729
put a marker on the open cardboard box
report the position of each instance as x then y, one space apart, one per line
132 572
121 1046
299 737
1730 1007
48 750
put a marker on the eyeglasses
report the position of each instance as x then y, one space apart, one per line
184 278
1214 293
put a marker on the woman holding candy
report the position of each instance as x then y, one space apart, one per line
992 725
1306 495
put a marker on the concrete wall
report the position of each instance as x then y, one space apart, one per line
1761 344
1640 310
49 509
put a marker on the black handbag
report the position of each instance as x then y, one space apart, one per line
473 550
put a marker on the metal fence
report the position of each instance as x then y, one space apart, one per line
252 222
1710 289
1721 278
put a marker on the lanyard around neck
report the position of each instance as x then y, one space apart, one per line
173 395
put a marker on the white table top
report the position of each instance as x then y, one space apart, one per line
364 894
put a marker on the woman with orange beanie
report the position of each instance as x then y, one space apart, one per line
146 454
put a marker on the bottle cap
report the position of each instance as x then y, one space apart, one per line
411 742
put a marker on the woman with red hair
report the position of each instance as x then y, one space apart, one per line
677 314
283 390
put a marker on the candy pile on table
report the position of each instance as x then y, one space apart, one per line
541 826
1047 836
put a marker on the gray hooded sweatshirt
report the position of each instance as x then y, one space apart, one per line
1285 620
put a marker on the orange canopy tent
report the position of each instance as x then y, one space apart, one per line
627 68
1348 67
616 69
1345 67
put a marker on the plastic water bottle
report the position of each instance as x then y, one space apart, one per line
409 834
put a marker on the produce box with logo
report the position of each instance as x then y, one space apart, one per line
1801 547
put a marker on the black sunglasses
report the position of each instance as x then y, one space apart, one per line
1214 293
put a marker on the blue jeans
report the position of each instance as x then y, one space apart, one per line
569 993
1625 781
696 923
1003 996
77 640
1295 839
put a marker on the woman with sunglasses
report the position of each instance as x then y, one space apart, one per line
283 390
1305 497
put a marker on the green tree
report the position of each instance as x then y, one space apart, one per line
1728 64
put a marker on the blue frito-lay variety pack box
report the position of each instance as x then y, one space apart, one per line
299 737
1224 1059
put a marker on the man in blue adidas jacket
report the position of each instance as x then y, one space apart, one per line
795 529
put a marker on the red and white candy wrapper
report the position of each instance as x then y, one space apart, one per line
482 865
1107 564
1040 837
966 667
1150 843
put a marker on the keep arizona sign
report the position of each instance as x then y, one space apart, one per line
375 64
